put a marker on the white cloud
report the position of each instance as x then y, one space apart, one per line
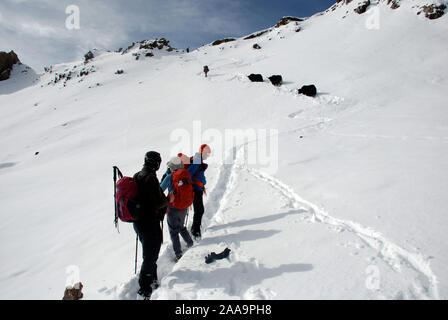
36 29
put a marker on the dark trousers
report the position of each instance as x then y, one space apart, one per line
198 206
150 236
176 221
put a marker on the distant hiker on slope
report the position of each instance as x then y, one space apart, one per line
153 204
178 182
206 70
197 169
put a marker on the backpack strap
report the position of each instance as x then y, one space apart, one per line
120 175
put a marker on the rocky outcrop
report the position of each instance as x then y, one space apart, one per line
433 11
77 72
88 56
156 44
7 61
256 35
393 4
145 47
285 20
218 42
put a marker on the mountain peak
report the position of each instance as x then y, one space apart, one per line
7 61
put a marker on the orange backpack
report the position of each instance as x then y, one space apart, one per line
183 189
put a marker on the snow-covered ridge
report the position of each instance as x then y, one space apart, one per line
78 71
432 9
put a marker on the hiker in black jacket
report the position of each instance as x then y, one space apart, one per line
152 208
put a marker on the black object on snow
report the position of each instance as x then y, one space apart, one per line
309 91
255 77
276 80
214 256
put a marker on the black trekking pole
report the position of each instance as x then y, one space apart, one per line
115 199
186 221
136 249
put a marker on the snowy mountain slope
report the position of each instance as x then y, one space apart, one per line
356 208
22 76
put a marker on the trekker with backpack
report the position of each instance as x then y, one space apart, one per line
197 169
206 70
178 182
150 211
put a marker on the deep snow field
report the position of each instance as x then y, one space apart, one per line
353 203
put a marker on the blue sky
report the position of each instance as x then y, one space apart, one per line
36 29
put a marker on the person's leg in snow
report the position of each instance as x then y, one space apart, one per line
176 221
151 240
198 206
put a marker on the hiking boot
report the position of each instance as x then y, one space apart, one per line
177 258
155 285
197 237
146 295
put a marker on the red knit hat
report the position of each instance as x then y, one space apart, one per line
205 149
184 158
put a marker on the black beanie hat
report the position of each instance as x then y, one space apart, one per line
153 160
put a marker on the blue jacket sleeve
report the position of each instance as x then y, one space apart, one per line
167 183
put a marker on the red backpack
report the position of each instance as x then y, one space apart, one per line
125 194
183 190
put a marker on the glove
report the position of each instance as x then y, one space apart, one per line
217 256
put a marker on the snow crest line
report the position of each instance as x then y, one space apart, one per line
391 253
226 179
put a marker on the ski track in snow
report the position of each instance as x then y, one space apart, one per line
395 256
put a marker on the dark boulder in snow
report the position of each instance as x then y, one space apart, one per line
276 80
395 4
88 56
255 77
433 11
309 90
73 293
256 46
7 61
362 7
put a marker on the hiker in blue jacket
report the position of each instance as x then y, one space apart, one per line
197 169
